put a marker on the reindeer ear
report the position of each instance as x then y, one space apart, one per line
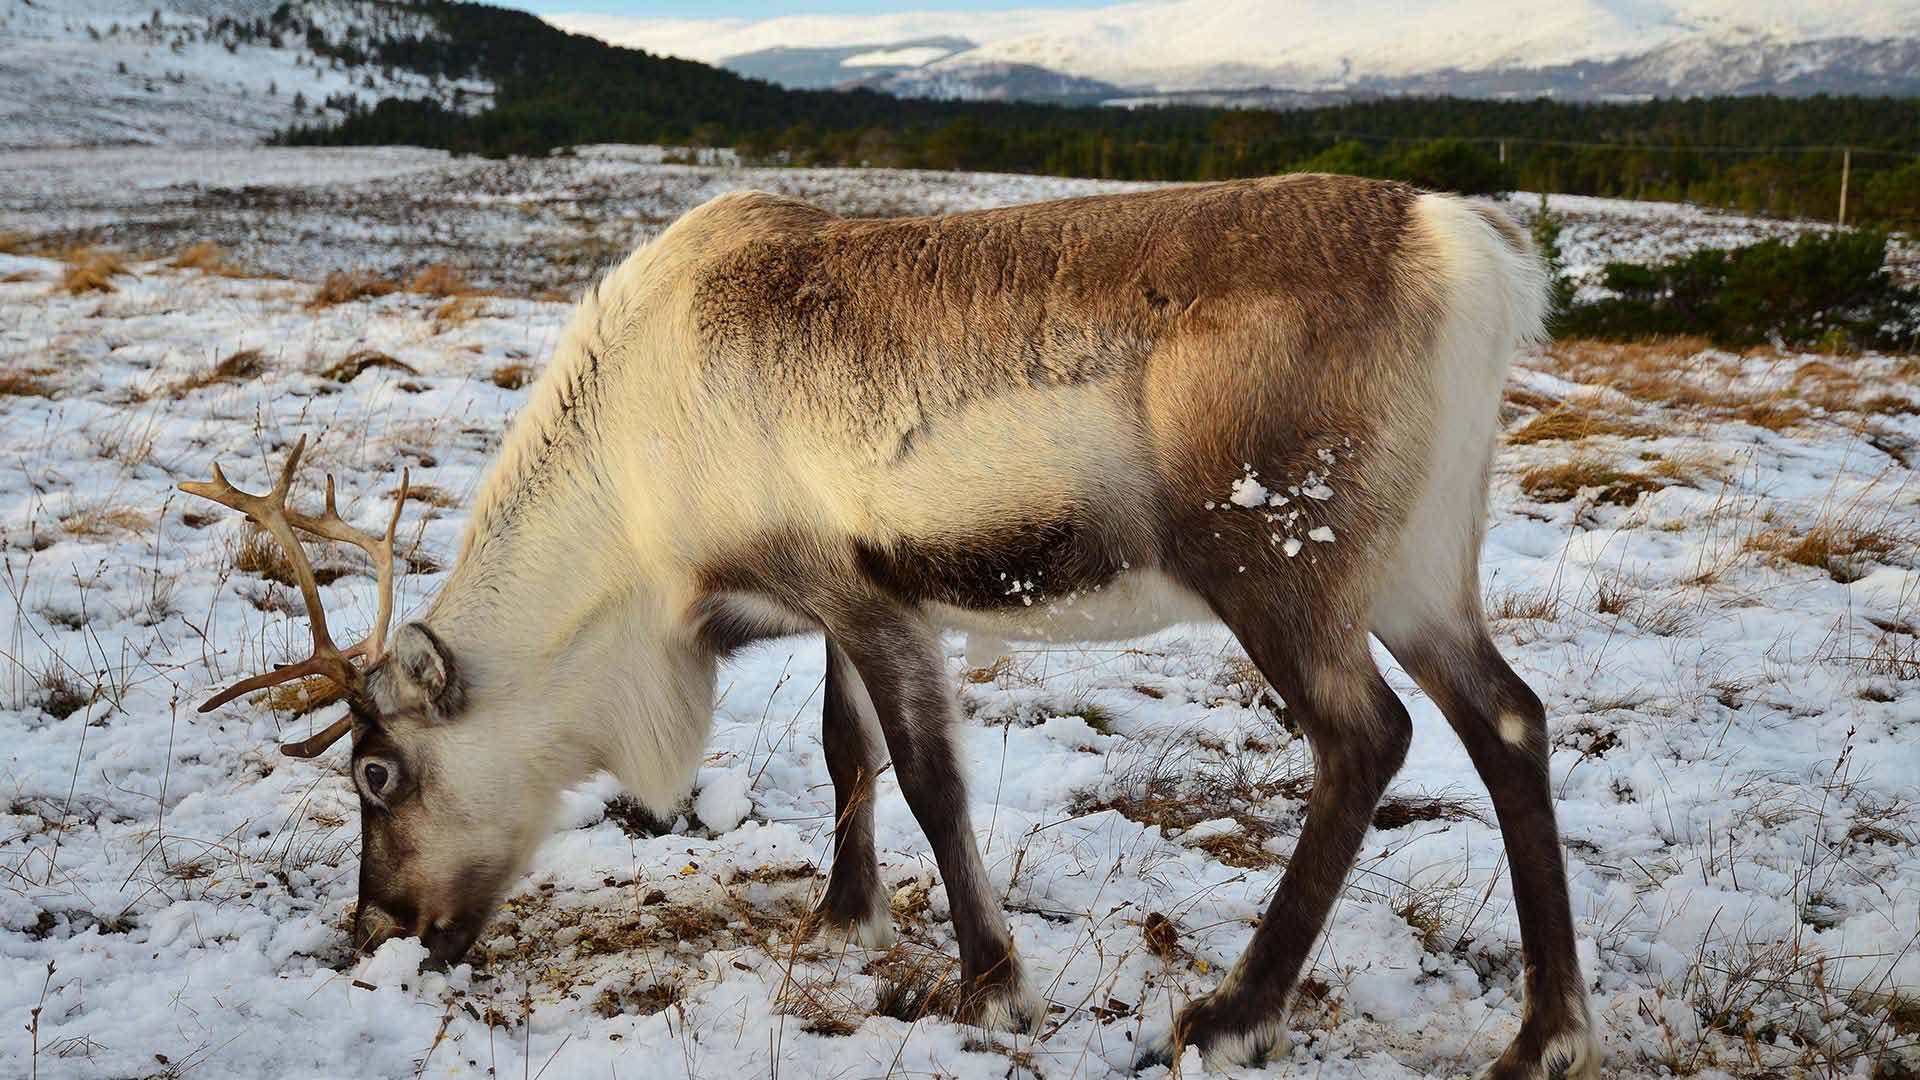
425 661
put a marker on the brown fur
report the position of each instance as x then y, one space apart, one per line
888 326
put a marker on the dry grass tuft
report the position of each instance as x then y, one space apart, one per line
1170 791
23 384
915 982
1512 604
19 276
206 257
15 243
420 561
429 494
1399 811
1890 405
512 376
1893 655
301 696
441 280
1771 415
91 271
262 556
1841 548
101 520
1679 372
1566 423
343 286
350 368
455 312
1564 482
244 364
61 695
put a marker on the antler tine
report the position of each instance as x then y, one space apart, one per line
270 512
330 526
314 746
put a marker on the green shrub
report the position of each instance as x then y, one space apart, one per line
1451 165
1546 239
1893 197
1831 287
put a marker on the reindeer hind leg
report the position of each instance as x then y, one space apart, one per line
1359 732
1503 725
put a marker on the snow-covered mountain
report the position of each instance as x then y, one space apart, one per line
1567 48
76 72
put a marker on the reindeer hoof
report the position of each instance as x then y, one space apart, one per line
1227 1035
874 931
1008 1008
1571 1055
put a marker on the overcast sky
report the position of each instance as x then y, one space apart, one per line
756 9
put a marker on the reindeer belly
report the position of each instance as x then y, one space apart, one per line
1128 605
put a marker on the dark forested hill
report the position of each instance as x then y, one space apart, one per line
555 89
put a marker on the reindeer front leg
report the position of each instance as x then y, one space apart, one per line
856 751
897 655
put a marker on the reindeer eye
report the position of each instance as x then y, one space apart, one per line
375 778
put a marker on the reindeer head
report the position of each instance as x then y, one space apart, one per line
441 835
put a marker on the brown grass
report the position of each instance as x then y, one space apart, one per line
206 257
1567 423
1890 405
350 368
915 982
343 286
429 494
23 384
101 520
1513 604
419 560
243 364
455 312
1678 372
1564 482
1169 791
15 243
1837 547
61 695
19 276
91 271
512 376
1771 415
301 696
441 280
261 555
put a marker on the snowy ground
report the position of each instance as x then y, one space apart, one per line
1704 563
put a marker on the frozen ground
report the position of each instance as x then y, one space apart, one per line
547 226
1704 563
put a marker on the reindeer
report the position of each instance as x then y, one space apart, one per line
1267 402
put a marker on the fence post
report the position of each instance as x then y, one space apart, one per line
1846 170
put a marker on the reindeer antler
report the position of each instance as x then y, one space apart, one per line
328 660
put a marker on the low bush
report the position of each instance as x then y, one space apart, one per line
1830 289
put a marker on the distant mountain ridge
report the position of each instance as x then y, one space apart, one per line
1263 51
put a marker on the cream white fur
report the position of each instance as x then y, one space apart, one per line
1495 304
